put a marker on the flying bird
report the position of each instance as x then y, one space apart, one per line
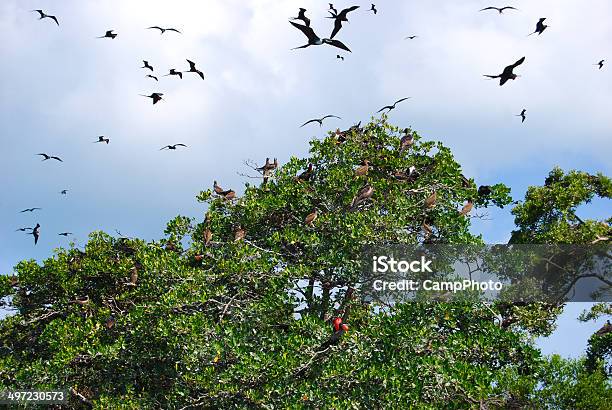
193 69
43 15
23 229
522 115
373 8
410 37
508 73
600 64
314 40
147 65
499 9
46 157
339 18
157 97
65 234
63 191
174 72
173 147
391 107
163 30
320 120
102 139
152 76
338 56
333 9
302 16
30 210
540 26
109 34
36 233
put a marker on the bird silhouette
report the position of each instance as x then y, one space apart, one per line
36 233
391 107
147 65
410 37
156 97
320 120
23 229
152 76
508 73
339 18
163 30
101 138
193 69
373 8
484 190
302 16
600 64
540 26
109 34
522 115
499 9
338 56
64 192
314 40
43 16
47 157
174 72
173 147
30 210
65 234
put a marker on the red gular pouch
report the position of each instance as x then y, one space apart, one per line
337 322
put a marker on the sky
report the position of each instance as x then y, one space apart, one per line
61 87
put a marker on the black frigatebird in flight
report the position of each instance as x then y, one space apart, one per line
109 34
147 65
314 40
540 26
163 30
508 73
173 147
390 107
499 9
43 15
101 138
156 97
193 69
373 8
339 18
152 76
320 120
46 157
410 37
65 234
600 64
302 16
174 72
30 210
36 233
522 115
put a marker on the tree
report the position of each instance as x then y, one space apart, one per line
235 311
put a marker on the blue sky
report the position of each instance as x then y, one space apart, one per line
61 87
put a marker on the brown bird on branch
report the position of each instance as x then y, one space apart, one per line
605 329
310 218
467 207
239 234
306 175
363 195
363 169
430 201
207 236
227 194
134 276
407 140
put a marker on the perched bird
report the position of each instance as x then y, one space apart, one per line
391 107
152 76
540 26
302 16
373 9
484 190
363 169
147 65
320 120
133 276
508 73
174 72
467 207
600 64
269 166
522 115
226 194
64 192
65 234
499 9
314 40
207 236
364 194
430 201
23 229
339 330
43 15
172 147
239 234
110 322
163 30
193 69
410 37
407 140
102 139
338 56
36 233
339 18
217 188
306 175
109 34
605 329
47 157
310 218
157 97
30 210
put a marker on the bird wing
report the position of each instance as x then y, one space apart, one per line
337 27
57 158
173 29
162 148
489 8
180 145
344 12
156 27
308 122
400 100
330 116
201 74
518 62
192 65
44 155
339 44
508 8
54 19
308 31
386 107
